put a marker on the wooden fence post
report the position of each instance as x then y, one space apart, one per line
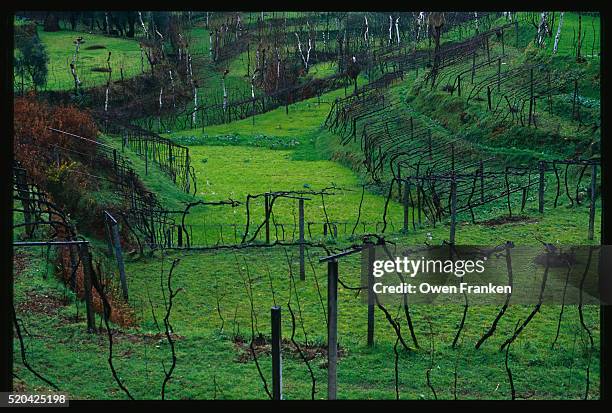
453 224
267 216
109 234
119 257
419 188
498 74
542 168
399 183
481 181
508 192
411 127
277 361
371 298
459 85
332 327
87 274
406 199
473 65
593 198
301 225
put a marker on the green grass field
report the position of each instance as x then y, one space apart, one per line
539 371
213 315
93 54
569 35
218 371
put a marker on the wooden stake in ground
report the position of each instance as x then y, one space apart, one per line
453 224
542 168
593 199
301 227
277 361
332 328
87 274
371 298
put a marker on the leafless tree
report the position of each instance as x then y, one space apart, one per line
542 29
558 35
305 59
144 28
108 81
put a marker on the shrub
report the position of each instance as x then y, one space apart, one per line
34 142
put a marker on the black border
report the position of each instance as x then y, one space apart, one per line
6 290
6 138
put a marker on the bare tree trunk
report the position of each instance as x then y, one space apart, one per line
397 30
224 96
277 68
76 50
77 82
146 32
210 44
195 104
195 90
305 59
542 29
106 21
558 35
172 86
436 20
420 21
75 76
108 82
161 92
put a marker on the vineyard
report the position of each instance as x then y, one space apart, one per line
195 195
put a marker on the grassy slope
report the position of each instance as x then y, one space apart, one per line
493 131
60 47
531 354
539 372
206 352
303 119
569 35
